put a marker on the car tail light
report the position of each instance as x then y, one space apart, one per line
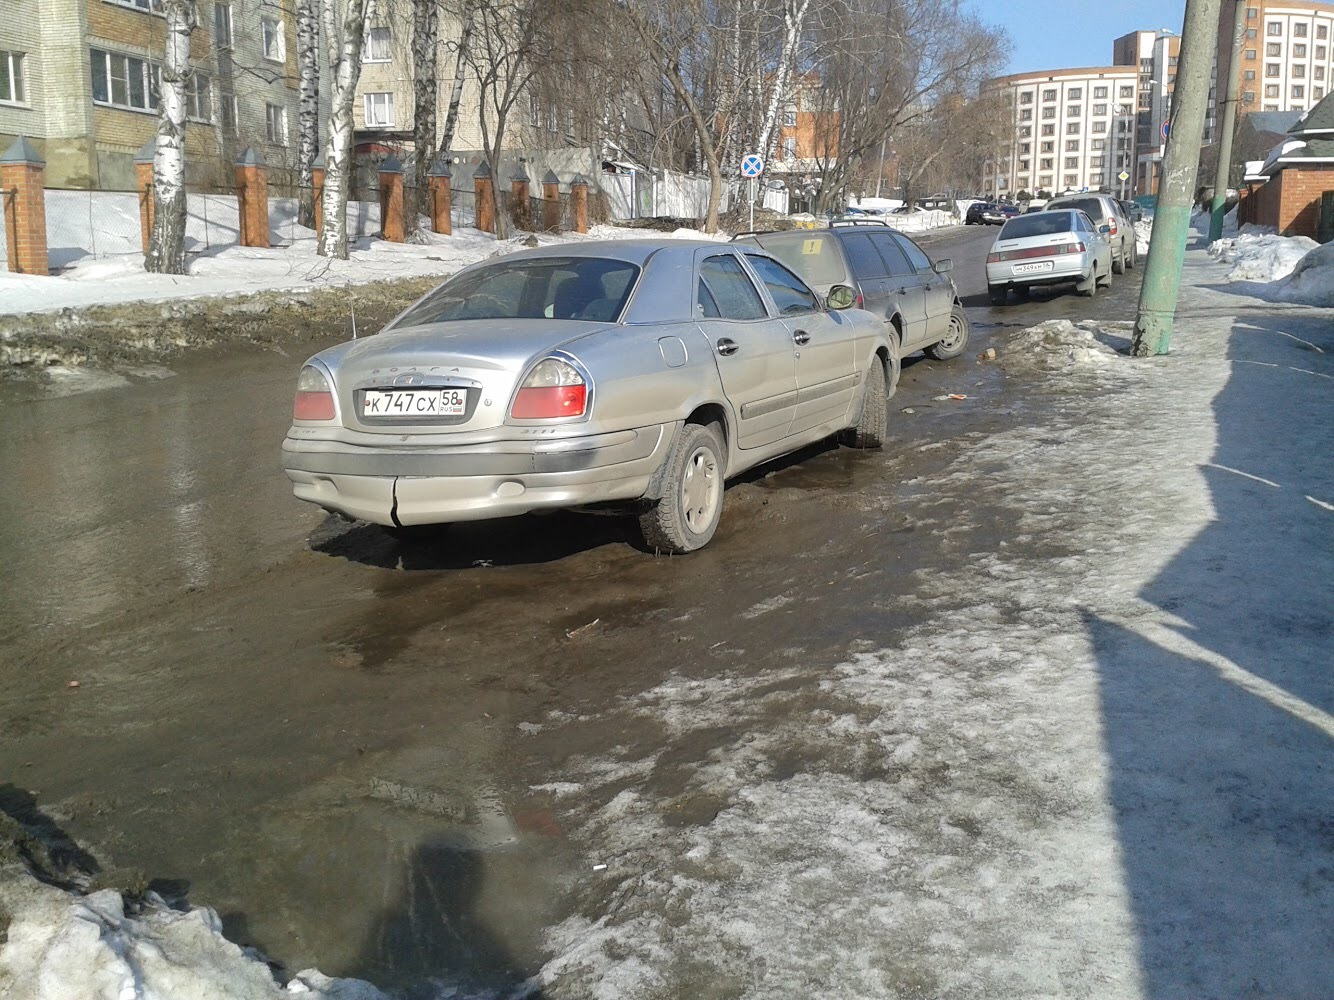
314 397
1052 251
554 388
1112 223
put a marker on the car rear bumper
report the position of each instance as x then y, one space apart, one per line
474 482
1067 267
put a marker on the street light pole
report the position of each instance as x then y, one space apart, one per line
1218 205
1171 223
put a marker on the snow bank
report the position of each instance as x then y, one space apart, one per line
1311 281
1259 254
1143 233
63 946
1058 346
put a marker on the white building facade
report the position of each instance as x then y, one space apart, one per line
1074 129
1288 60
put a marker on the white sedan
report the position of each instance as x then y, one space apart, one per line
1049 248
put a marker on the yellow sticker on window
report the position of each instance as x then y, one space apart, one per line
810 248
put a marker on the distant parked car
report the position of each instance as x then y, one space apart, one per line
1134 211
895 279
991 213
642 371
973 217
1048 248
1105 210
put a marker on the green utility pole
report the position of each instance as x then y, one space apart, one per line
1221 176
1176 189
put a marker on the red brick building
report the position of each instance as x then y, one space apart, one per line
1299 170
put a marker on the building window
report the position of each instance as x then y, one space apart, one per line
1252 13
790 118
11 78
1044 180
1100 109
1317 93
1099 93
271 36
1271 107
275 124
1023 164
1274 28
1248 74
1251 33
1098 162
1048 129
1248 97
1320 52
1273 69
1074 111
199 98
1298 91
1299 30
1274 49
1047 147
1100 126
1071 180
379 110
1299 52
1026 131
1049 95
222 25
1098 144
1074 94
1048 112
1145 101
227 113
1271 90
1046 163
1124 109
1298 72
153 6
1025 148
1322 31
1072 145
123 81
1250 53
1127 92
1318 73
1072 128
1026 97
377 46
790 148
1026 115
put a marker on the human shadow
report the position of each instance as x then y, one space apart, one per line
32 837
1216 715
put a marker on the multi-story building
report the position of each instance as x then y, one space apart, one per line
1154 54
80 79
1287 59
1074 128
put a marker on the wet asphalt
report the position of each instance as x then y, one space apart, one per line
324 733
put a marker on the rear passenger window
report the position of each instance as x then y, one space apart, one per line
866 263
913 252
898 264
726 291
814 258
789 294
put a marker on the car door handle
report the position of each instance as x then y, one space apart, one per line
728 347
903 290
801 337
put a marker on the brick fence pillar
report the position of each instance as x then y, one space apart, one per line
143 180
551 202
24 204
438 184
481 194
520 207
252 196
579 203
391 199
317 185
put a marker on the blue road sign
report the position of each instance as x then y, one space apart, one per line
752 165
1167 127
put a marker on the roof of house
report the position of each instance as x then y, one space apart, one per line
1275 122
1319 119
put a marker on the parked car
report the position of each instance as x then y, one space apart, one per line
893 277
990 213
637 370
1133 210
1105 210
1049 248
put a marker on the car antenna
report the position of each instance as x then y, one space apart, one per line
354 321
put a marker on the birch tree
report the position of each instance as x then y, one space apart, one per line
462 53
308 109
166 247
344 25
425 57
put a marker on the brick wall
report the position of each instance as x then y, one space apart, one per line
1299 212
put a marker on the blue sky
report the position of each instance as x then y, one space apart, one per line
1050 35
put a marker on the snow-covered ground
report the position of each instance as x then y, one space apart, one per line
1277 268
236 270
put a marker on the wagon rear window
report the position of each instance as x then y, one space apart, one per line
1038 224
578 288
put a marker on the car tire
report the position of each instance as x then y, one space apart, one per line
955 340
1134 256
870 430
685 516
998 294
1119 263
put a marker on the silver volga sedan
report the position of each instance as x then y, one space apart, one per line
645 371
1049 248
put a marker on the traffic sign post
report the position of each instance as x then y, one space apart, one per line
752 165
1167 128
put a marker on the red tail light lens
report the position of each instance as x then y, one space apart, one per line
553 389
314 397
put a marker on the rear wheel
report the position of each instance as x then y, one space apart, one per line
955 339
870 430
1119 263
998 294
686 515
1133 259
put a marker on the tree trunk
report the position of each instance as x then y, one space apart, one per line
166 247
460 72
308 114
344 40
425 21
794 20
705 141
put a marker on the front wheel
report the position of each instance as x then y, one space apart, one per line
686 515
870 429
955 339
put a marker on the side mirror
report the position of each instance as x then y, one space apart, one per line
943 266
840 297
1104 230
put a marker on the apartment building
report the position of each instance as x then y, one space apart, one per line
1287 60
1074 128
80 79
1154 55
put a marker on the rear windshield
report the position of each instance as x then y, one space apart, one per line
578 288
1091 207
1037 224
815 258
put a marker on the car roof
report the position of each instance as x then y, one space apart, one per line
635 251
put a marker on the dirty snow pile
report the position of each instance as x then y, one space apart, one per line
1311 281
1143 233
1060 346
59 945
1259 254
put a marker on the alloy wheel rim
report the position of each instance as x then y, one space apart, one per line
700 489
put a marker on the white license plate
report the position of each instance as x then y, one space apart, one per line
414 403
1040 265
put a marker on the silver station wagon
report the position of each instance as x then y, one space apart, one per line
642 371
